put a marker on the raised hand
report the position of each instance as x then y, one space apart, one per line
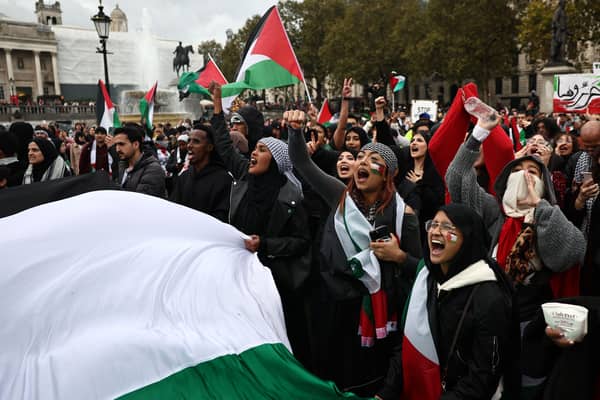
347 88
380 102
532 199
214 88
295 118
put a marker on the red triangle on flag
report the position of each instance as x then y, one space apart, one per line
325 113
151 93
273 42
210 72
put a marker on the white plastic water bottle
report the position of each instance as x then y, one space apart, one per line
479 109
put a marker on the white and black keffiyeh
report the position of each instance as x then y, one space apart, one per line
584 164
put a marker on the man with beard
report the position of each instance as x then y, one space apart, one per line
97 155
138 171
206 185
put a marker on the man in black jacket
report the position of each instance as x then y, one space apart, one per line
138 171
206 185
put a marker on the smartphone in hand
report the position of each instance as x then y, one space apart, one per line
380 234
587 177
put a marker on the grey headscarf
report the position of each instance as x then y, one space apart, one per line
279 151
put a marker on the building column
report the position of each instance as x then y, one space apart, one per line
55 74
38 73
9 64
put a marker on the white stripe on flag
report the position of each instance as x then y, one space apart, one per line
135 304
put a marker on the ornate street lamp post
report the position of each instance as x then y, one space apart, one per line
102 23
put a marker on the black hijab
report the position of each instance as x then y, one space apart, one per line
255 208
50 153
475 246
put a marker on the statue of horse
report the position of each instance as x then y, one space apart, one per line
182 60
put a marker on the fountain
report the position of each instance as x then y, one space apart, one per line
167 107
137 59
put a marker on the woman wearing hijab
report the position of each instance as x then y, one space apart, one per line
458 320
532 239
44 162
369 254
266 204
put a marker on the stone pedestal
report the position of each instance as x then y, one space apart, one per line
545 84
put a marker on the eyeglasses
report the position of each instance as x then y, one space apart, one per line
444 227
538 142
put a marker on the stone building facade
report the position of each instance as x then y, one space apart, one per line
28 56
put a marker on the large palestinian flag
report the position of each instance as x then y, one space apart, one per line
106 113
177 312
269 60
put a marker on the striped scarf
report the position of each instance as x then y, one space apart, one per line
584 164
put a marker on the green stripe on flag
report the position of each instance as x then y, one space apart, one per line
267 371
264 74
116 120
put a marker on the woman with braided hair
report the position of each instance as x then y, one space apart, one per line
369 252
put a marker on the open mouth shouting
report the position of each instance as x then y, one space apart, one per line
563 149
362 175
436 246
253 161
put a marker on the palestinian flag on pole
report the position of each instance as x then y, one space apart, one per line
420 363
397 82
198 81
325 114
269 60
147 106
194 314
106 113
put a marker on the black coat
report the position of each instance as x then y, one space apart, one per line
147 176
17 170
206 190
475 363
285 245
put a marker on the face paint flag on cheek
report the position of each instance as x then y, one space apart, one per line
378 169
451 237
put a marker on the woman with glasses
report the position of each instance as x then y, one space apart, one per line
369 253
459 317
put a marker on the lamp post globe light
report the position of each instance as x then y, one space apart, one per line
102 23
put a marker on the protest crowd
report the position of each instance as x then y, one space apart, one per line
378 229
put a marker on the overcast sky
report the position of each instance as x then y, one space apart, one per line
191 21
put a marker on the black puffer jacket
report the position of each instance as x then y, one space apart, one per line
206 190
147 176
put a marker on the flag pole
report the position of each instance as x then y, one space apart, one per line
393 101
307 93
